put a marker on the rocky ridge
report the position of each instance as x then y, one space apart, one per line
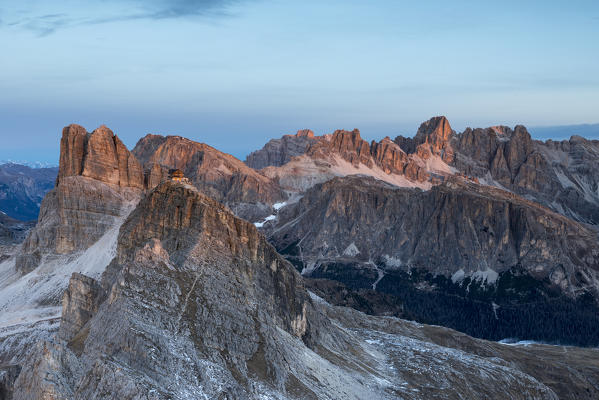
423 162
278 152
560 175
221 176
192 285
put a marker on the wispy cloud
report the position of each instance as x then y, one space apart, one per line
45 24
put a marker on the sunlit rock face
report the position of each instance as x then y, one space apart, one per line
99 181
99 155
221 176
420 162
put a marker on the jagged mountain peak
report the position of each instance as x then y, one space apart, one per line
307 133
99 155
435 129
217 174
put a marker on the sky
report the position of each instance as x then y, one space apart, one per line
236 73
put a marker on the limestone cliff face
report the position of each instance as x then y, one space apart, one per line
280 151
191 285
450 227
219 175
458 240
421 161
197 304
561 175
98 181
100 155
433 138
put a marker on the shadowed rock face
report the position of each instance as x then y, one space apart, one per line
197 304
450 227
560 175
458 239
280 151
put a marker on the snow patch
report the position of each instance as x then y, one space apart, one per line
380 276
458 276
488 276
392 262
261 224
278 206
495 308
351 250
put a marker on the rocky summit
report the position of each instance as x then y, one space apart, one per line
324 267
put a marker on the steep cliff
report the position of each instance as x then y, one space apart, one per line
219 175
458 238
99 180
280 151
560 175
197 304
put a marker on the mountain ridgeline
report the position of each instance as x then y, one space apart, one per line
228 284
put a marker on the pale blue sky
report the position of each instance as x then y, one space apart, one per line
235 73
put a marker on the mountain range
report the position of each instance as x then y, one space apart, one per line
294 274
22 189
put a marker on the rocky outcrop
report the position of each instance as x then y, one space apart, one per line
433 138
22 189
348 145
99 181
100 155
219 175
366 233
80 302
280 151
218 293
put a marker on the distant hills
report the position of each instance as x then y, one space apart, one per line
22 189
